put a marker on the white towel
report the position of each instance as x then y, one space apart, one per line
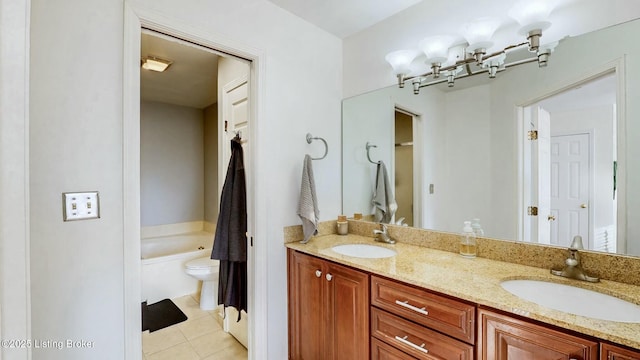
383 199
308 203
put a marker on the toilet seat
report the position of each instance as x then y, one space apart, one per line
201 263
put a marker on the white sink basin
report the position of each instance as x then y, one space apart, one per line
574 300
364 251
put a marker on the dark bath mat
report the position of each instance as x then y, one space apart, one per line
160 315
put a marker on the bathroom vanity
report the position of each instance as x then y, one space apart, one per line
424 303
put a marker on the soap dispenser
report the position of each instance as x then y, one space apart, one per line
477 228
468 245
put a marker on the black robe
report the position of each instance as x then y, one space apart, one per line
230 244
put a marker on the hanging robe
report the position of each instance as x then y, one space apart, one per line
230 244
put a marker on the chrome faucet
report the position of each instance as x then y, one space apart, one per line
573 270
383 235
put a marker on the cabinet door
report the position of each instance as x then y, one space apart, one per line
612 352
348 313
502 337
306 307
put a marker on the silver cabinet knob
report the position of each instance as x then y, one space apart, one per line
329 277
318 273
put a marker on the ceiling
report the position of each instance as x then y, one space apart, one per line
192 79
344 17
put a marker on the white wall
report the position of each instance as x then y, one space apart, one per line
211 206
466 179
76 138
172 164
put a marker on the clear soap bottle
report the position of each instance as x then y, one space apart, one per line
468 246
477 228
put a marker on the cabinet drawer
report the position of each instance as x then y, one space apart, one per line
384 351
416 340
452 317
613 352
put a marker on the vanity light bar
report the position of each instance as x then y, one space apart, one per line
469 73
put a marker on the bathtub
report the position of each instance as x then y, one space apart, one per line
163 259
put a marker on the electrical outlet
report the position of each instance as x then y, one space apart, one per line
80 205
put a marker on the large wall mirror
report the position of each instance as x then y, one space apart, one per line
463 153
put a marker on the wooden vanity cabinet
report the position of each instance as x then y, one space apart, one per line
328 310
502 337
414 323
614 352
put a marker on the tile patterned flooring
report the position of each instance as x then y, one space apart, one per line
200 337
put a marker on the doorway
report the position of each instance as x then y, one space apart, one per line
570 154
404 172
189 113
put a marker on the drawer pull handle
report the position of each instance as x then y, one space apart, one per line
406 304
318 273
407 342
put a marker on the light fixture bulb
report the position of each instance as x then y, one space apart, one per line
495 64
451 75
401 61
436 48
416 85
531 15
478 33
544 52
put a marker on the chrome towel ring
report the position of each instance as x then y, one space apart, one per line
369 146
310 138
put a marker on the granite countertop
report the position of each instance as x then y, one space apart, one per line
478 280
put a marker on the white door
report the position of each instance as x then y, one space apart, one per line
235 120
570 188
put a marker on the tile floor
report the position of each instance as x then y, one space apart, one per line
200 337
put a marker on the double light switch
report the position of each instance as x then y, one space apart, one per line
80 205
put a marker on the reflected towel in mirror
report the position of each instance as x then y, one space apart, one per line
383 199
308 203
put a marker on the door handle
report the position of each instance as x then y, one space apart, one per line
551 218
584 206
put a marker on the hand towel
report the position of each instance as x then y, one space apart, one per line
383 200
308 203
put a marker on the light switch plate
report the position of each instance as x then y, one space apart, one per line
80 205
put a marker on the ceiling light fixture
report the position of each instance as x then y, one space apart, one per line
154 63
444 55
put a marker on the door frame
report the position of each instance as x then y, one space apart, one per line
617 67
135 18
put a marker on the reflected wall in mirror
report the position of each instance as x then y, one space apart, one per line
469 145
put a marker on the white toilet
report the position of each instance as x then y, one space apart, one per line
205 269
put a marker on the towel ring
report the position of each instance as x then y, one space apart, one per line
326 147
369 146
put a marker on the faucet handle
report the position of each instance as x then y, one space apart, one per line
576 244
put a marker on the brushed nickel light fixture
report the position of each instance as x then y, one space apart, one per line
445 56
